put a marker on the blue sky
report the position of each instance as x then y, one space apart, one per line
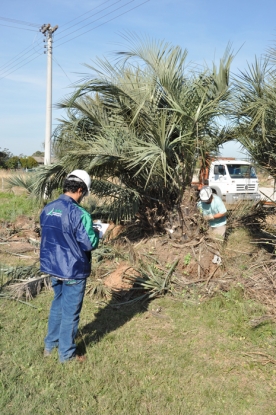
202 27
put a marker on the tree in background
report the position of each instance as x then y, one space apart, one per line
13 163
38 154
5 154
28 162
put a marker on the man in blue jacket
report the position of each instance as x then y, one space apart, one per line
67 239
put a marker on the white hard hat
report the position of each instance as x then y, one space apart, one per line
83 176
205 193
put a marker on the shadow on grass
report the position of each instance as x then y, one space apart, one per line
106 320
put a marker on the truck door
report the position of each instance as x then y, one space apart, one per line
220 173
218 178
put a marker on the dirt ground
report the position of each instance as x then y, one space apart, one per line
21 239
244 261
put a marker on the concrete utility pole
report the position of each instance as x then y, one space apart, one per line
48 31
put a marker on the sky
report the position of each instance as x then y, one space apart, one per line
88 29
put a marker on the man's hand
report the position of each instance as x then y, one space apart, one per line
96 230
208 217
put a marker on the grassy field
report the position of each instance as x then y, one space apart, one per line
169 357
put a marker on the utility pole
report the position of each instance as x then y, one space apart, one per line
48 31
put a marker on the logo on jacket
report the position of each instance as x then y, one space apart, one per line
55 212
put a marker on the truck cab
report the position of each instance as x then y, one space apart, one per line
233 180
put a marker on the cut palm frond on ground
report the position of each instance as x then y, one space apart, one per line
29 288
23 281
152 282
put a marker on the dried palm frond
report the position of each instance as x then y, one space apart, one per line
23 281
98 290
10 274
247 213
29 288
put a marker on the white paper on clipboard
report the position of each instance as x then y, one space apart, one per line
102 227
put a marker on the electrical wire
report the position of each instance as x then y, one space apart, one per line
19 22
15 58
8 69
118 1
21 28
36 42
4 74
20 66
113 18
61 68
118 8
18 57
70 21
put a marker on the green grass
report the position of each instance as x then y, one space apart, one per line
12 206
186 359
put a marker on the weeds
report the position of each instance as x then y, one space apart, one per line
187 259
12 206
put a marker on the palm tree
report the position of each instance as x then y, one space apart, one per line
138 127
254 111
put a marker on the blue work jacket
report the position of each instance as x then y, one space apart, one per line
67 239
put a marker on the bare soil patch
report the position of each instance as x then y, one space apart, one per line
116 281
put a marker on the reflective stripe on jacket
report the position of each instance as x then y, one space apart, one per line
67 239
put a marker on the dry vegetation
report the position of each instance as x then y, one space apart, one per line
181 263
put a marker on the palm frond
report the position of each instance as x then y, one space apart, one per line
22 181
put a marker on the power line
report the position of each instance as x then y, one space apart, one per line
8 69
118 8
118 1
20 66
16 58
19 22
55 60
70 21
36 43
30 51
93 28
113 18
21 28
27 51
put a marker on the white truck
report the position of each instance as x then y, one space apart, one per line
232 180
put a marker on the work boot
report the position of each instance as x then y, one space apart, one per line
75 358
80 359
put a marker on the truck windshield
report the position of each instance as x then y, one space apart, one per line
240 171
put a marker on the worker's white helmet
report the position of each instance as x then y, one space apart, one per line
205 193
81 175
